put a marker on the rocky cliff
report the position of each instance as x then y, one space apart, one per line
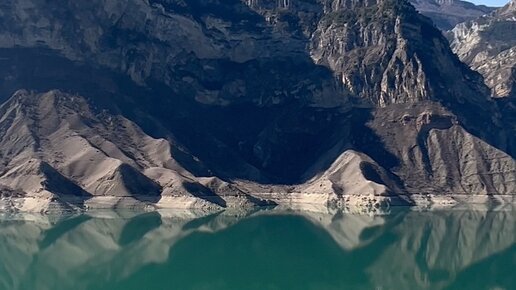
245 101
488 45
448 13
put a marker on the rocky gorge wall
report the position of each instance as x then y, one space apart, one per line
222 102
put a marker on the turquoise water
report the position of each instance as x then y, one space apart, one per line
267 249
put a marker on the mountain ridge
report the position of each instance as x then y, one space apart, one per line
446 14
252 103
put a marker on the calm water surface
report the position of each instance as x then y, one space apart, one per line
270 249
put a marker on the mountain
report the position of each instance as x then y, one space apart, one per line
246 102
448 13
488 45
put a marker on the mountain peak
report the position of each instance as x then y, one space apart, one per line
488 45
448 13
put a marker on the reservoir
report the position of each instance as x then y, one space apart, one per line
262 249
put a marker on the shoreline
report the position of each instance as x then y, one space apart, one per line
296 201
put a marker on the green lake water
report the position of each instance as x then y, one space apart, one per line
267 249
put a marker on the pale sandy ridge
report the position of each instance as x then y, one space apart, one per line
59 153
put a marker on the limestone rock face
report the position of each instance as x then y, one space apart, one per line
448 13
218 102
389 54
488 45
160 40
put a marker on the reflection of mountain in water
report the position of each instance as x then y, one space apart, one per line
263 250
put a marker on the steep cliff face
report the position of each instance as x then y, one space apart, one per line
445 14
196 49
250 96
57 146
386 53
161 40
448 13
488 45
381 51
440 154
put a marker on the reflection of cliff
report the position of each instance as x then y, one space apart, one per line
433 249
405 250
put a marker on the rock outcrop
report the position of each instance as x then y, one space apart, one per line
387 53
448 13
488 45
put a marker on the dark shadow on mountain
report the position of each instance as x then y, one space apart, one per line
65 189
508 108
202 192
274 143
262 203
370 172
139 186
56 183
366 140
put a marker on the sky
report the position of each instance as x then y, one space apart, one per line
490 2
